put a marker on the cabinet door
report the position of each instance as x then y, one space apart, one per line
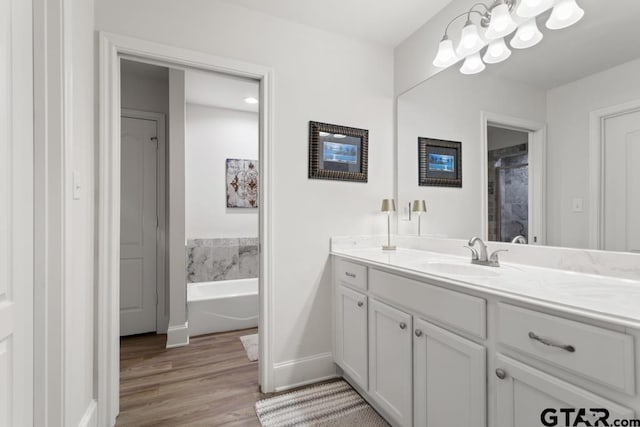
449 379
390 366
351 334
524 394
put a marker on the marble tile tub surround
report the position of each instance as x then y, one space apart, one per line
210 260
620 265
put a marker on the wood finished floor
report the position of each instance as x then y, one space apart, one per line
210 382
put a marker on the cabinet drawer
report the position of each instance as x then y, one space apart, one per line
460 311
351 274
601 355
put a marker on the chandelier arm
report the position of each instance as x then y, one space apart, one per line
467 14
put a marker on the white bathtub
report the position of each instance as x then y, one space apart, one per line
222 306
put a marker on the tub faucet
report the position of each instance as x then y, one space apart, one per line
481 257
520 239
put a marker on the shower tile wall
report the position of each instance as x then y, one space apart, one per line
211 260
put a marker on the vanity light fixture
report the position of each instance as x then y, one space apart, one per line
388 207
251 100
496 52
473 64
528 35
419 207
565 13
497 21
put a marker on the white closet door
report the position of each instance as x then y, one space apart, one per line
622 183
138 226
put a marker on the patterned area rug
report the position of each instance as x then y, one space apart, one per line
333 404
250 344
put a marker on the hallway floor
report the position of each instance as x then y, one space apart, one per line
210 382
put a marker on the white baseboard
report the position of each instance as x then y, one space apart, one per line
90 417
303 371
178 336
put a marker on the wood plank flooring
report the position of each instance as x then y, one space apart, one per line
210 382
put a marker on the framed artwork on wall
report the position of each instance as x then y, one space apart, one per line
242 183
338 153
439 163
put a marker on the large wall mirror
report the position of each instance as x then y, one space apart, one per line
550 139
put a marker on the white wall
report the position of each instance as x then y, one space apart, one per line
144 87
568 109
213 136
449 107
177 333
306 213
501 138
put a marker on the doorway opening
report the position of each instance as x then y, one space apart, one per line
513 179
508 184
253 250
210 164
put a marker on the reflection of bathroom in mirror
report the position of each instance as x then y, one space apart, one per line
550 138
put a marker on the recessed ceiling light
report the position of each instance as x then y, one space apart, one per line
339 135
324 134
251 100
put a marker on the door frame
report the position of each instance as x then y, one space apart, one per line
537 171
162 315
597 120
112 48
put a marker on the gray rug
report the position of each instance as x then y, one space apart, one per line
333 404
250 344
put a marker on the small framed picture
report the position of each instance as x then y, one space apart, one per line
439 163
338 153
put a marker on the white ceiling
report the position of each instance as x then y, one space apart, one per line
384 22
219 90
608 35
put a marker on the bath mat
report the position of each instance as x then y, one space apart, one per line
250 344
333 404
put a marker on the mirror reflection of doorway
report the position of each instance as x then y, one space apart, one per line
508 184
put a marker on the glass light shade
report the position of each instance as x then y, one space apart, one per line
446 56
496 52
528 35
388 206
473 64
565 13
501 24
532 8
470 42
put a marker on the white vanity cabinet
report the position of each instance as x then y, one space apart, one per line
449 378
419 349
351 334
525 393
390 370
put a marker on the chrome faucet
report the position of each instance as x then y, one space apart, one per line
520 239
481 257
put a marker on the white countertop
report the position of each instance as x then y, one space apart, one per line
598 297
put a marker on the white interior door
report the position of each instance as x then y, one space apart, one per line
16 214
621 201
138 226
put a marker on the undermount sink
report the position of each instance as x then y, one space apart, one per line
459 269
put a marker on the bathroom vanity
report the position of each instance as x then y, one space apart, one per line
431 340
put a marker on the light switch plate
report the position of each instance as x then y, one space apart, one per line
578 205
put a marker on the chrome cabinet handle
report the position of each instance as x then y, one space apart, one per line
403 325
501 374
418 333
569 348
360 303
352 275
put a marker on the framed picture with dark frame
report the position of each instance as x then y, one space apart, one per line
338 153
439 163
